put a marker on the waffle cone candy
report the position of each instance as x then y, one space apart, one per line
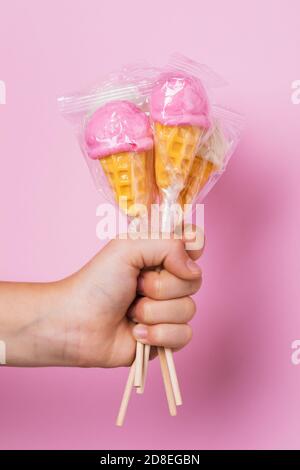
129 174
180 112
119 136
175 147
200 173
209 160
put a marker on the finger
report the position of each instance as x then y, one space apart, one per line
163 285
150 311
171 254
164 334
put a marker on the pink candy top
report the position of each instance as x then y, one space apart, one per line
118 126
180 99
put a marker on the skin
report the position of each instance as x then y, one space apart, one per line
93 318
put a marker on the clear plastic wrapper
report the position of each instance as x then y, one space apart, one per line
212 156
178 160
180 111
119 136
116 139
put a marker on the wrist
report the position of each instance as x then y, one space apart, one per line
39 336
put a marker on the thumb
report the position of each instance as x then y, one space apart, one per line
170 254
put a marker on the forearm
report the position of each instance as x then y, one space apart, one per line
31 323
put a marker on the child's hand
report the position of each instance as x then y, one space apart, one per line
89 319
103 304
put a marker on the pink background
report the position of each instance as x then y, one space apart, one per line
240 388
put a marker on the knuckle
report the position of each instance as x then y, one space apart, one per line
195 285
188 334
190 308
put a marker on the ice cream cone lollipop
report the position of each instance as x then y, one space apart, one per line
209 160
175 147
119 136
180 112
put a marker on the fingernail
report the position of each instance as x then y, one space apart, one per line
196 236
189 233
193 267
140 332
